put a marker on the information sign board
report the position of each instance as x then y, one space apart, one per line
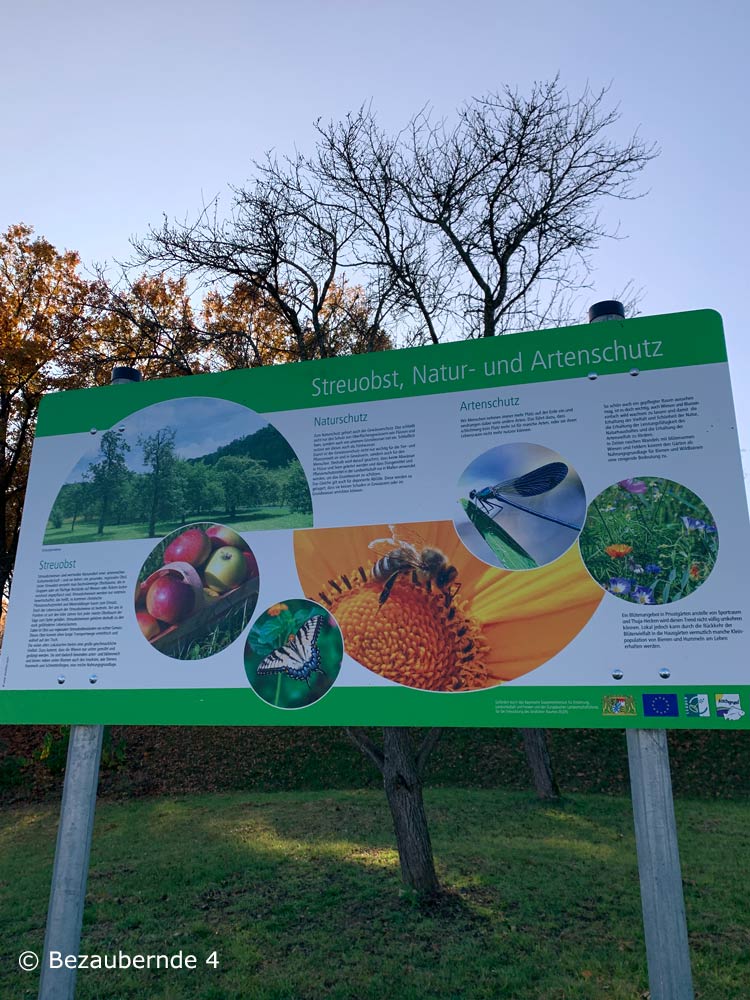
538 529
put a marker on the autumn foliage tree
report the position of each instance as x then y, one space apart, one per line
59 330
45 345
244 328
149 322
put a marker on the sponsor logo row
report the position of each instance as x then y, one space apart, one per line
694 706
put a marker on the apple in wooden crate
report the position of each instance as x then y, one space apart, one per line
220 535
225 569
140 596
170 599
192 546
148 624
252 565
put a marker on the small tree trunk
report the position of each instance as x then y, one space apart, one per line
537 754
152 511
102 517
403 789
402 771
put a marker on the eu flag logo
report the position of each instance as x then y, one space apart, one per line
660 705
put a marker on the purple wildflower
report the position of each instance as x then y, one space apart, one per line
653 568
619 585
695 524
633 485
642 595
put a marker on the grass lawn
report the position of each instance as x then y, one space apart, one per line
298 893
257 519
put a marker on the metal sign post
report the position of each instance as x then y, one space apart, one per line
70 872
62 936
664 922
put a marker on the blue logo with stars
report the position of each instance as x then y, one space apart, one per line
660 705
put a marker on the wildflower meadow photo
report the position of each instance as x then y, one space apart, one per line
649 541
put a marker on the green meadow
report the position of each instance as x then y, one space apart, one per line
259 519
296 896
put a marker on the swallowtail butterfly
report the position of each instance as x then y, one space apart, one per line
299 657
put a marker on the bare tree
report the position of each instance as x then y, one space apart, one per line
465 229
485 225
359 167
489 221
286 242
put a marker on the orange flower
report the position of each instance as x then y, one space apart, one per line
484 627
419 637
695 571
618 551
276 609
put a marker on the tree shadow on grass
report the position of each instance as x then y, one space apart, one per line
299 895
316 881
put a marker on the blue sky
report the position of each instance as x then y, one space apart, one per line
117 113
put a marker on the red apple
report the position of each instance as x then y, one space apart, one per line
149 625
221 535
225 569
251 564
140 596
192 546
170 599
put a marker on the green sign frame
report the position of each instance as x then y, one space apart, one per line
540 529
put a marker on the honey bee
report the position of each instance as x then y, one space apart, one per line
401 556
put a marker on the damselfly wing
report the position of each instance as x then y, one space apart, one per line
532 484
